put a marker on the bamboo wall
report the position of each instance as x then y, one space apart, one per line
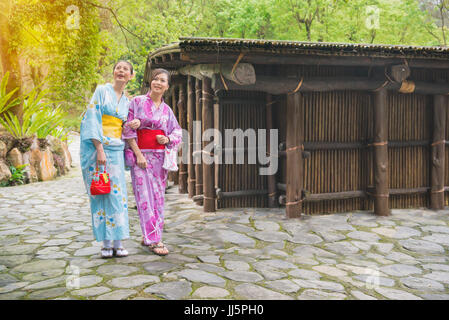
335 117
241 110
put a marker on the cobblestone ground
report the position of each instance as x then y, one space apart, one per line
47 251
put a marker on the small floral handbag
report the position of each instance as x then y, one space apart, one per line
101 184
170 159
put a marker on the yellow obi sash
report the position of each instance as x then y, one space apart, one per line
112 126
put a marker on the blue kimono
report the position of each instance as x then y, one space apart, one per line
102 121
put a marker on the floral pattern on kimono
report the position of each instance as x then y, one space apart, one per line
149 183
110 211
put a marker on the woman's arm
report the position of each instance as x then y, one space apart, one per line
101 156
141 161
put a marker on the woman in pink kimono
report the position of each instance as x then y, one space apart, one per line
145 153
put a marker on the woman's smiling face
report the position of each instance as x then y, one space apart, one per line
122 72
160 83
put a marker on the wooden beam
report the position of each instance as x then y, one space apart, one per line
438 153
381 194
240 193
208 169
283 85
321 60
295 166
190 118
182 180
198 117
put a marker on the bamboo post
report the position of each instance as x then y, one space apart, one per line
190 118
198 164
437 153
271 179
182 175
208 169
381 186
295 165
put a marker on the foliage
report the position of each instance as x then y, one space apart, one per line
17 176
75 59
39 116
5 97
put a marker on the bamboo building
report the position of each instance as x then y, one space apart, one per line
360 127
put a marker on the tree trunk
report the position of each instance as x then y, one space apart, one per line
9 56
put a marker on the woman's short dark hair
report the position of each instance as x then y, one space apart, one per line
157 72
129 63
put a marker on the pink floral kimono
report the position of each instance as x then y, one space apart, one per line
149 183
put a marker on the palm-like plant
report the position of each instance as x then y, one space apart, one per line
5 104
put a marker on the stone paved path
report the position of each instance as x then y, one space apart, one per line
47 251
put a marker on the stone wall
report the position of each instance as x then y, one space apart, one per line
45 158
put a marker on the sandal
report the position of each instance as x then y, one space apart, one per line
106 253
155 247
120 252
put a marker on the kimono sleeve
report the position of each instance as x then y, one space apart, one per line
91 125
127 132
174 131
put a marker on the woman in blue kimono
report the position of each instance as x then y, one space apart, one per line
102 148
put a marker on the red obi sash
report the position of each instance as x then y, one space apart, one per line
146 139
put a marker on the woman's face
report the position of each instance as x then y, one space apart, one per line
159 84
122 72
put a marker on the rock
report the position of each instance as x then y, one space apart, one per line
305 274
173 290
209 259
29 171
235 237
242 276
255 292
116 270
237 265
421 246
330 270
283 285
319 284
361 296
311 294
117 295
400 270
41 265
133 281
3 150
394 294
89 292
47 170
5 174
439 276
158 267
202 276
422 284
49 283
66 156
46 294
12 261
210 293
15 157
364 236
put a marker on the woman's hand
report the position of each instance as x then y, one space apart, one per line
101 157
141 161
161 139
134 124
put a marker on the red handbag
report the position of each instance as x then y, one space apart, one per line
101 184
